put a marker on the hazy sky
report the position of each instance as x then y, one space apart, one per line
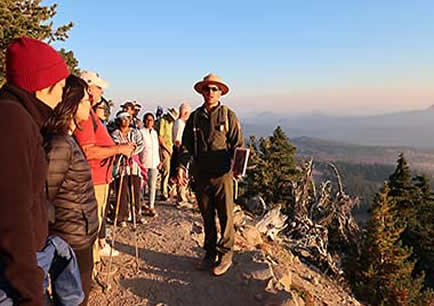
341 57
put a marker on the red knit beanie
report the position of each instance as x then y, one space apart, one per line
33 65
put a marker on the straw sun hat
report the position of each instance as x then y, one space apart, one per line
211 79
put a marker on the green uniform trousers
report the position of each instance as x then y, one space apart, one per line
215 194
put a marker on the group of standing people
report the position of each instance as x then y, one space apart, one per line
61 156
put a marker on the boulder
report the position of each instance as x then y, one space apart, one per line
252 235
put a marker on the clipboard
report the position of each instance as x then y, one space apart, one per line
239 162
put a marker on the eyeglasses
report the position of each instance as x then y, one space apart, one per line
208 89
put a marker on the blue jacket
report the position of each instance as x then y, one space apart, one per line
60 265
58 260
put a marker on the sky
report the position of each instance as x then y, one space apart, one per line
334 57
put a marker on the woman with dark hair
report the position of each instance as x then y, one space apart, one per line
69 183
128 168
150 159
102 110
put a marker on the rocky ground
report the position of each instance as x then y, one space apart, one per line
169 248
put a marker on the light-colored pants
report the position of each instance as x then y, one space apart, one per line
152 185
101 192
165 173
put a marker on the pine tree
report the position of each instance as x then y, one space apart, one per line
273 167
423 232
71 61
280 154
258 176
407 197
386 271
403 191
29 18
415 208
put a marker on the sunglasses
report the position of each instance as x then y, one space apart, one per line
208 89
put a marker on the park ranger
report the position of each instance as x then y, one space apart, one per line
210 137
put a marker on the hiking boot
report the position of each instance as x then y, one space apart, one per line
224 264
145 209
207 263
152 212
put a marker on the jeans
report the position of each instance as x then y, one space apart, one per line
152 184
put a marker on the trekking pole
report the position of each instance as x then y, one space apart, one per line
118 200
133 204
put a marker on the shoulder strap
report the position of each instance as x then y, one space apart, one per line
223 117
195 136
226 116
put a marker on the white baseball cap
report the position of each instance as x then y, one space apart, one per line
93 78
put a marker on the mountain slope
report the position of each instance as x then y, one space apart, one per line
413 128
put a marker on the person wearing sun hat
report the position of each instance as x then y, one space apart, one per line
211 135
35 77
164 129
129 170
137 123
100 150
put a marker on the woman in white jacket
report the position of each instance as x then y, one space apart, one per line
150 157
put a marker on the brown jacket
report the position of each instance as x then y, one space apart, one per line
211 139
23 218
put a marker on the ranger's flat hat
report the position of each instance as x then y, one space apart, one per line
214 80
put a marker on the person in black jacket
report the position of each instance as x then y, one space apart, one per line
69 182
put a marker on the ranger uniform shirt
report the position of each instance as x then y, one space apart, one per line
211 139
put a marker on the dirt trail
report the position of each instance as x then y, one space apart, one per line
169 251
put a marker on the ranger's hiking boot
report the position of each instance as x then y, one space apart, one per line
207 263
224 264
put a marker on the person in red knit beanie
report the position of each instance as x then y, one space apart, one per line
35 77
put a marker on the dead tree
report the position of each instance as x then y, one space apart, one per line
316 219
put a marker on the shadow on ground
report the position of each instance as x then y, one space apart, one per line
176 281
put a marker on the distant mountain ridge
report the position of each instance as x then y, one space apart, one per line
411 128
421 160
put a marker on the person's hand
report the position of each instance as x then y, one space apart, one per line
182 177
126 149
159 166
